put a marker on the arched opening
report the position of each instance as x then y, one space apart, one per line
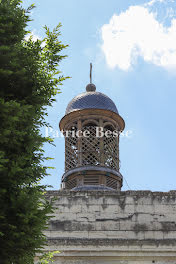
110 147
71 148
109 127
90 145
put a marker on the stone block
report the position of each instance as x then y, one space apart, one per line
153 235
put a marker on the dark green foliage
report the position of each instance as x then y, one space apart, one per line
29 81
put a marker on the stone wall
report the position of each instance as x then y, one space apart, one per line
106 227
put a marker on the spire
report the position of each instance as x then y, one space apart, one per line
90 87
90 72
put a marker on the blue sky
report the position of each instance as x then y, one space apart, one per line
132 45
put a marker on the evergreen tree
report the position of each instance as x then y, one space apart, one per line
29 81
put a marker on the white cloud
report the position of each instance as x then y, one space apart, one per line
152 2
35 37
137 33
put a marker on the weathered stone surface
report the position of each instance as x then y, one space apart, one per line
128 227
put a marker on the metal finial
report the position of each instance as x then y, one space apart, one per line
91 87
90 72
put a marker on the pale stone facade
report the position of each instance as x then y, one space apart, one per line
113 227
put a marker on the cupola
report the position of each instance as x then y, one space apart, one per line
92 126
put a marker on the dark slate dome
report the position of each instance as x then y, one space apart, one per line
91 100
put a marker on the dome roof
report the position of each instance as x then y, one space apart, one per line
91 100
